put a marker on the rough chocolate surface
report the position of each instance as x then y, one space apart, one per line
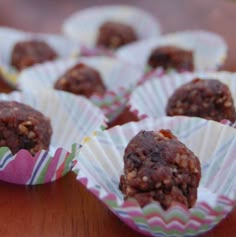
158 167
209 99
171 57
81 80
112 35
22 127
28 53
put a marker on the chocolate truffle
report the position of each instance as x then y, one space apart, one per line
112 35
28 53
158 167
81 80
209 99
22 127
171 57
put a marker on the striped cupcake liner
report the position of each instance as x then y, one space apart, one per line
118 77
210 49
64 47
150 99
72 119
83 26
100 164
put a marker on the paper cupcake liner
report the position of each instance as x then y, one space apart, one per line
210 49
118 77
64 47
150 99
72 119
100 164
91 52
83 26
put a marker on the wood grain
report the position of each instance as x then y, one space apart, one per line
65 207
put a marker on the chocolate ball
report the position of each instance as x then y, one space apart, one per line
158 167
81 80
22 127
209 99
171 57
28 53
113 35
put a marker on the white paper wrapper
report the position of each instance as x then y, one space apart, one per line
83 26
210 49
118 77
150 99
64 47
100 164
72 119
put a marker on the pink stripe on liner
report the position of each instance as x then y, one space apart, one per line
110 197
176 224
84 181
206 208
227 201
13 174
169 212
95 192
60 170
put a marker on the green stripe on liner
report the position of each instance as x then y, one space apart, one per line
76 171
198 214
42 175
219 209
108 103
139 219
3 151
69 159
103 127
111 203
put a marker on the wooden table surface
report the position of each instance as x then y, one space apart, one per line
65 208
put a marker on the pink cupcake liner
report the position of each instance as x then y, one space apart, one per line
68 128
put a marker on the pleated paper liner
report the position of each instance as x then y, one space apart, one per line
118 77
100 164
150 99
210 49
72 119
64 47
83 26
